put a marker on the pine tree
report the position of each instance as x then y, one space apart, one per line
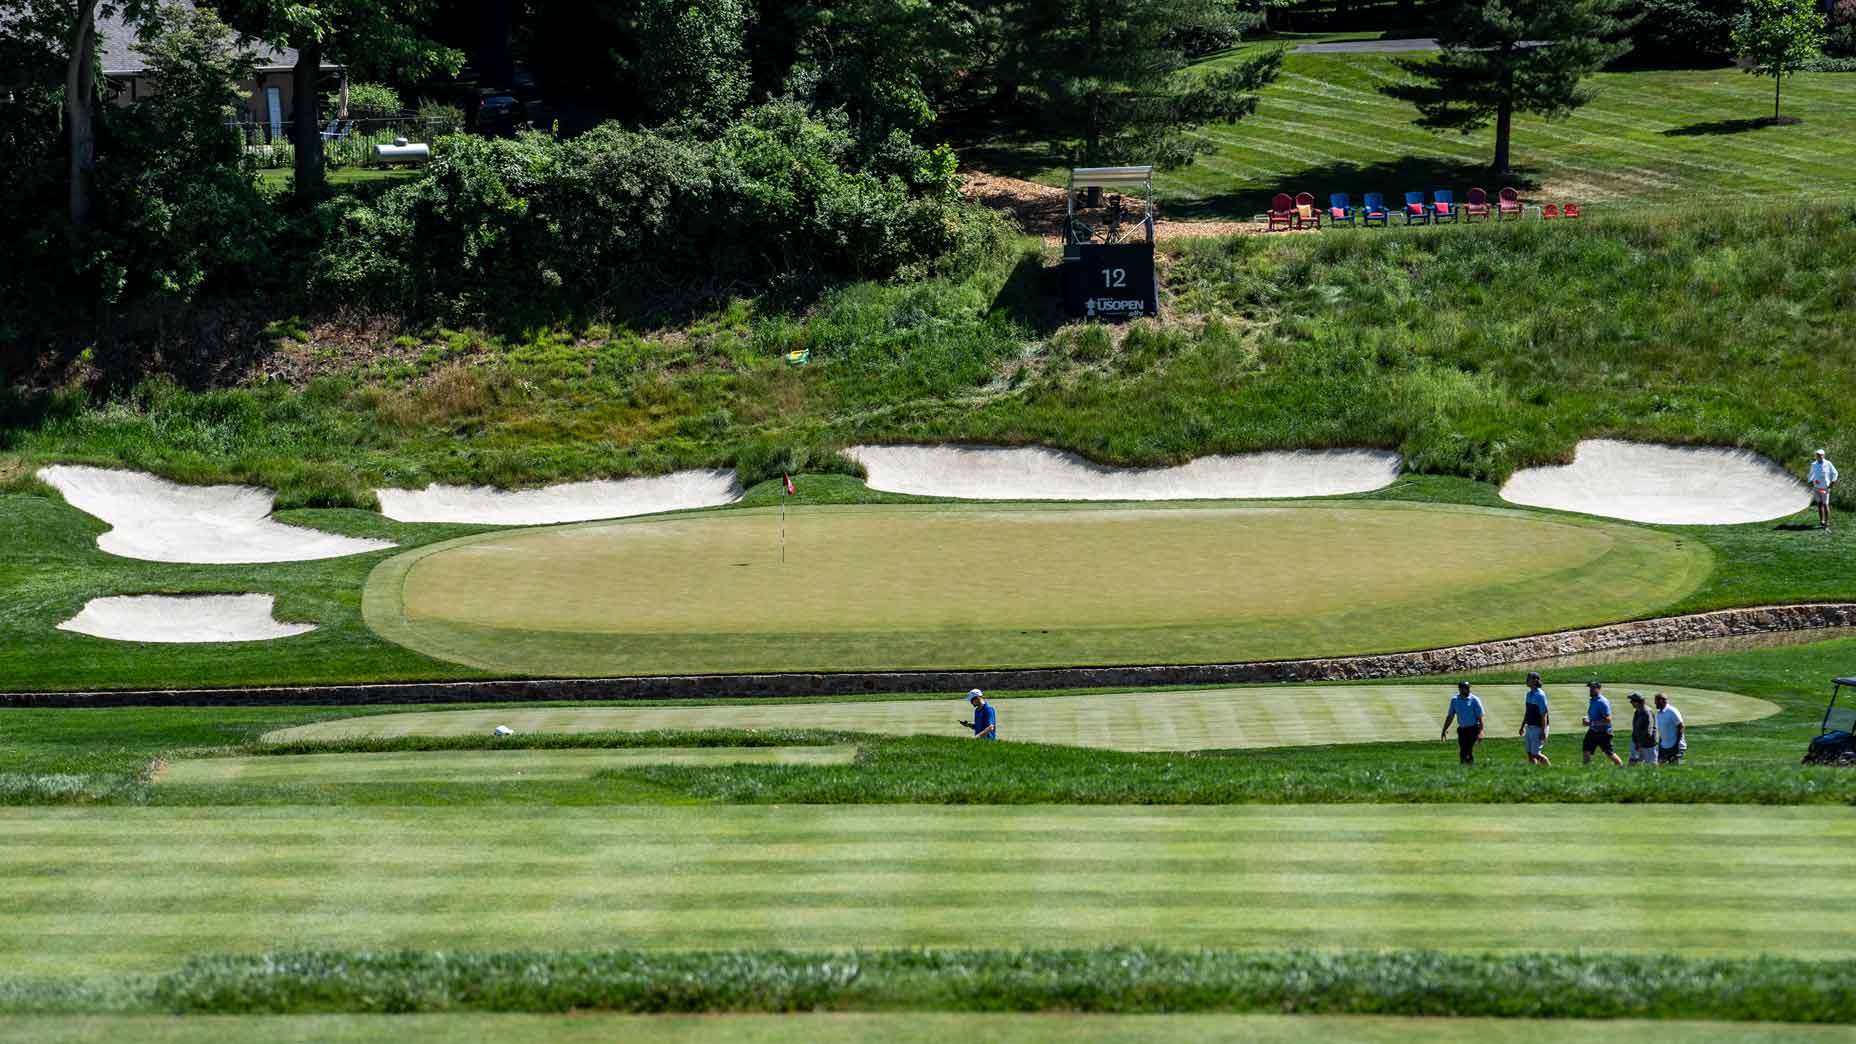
1500 57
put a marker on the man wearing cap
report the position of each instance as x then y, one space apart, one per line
1466 708
1534 721
1642 732
1672 735
1597 722
1823 476
985 723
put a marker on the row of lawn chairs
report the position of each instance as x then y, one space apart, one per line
1442 208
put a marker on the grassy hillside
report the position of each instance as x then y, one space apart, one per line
1661 137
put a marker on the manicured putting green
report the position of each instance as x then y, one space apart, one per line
926 586
113 889
1205 719
479 766
902 1028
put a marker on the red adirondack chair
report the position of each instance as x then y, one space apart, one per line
1507 204
1477 206
1571 211
1305 211
1282 212
1549 212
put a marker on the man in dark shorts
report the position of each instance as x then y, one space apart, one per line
1597 722
1534 719
1466 708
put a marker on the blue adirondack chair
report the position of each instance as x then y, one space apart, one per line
1374 209
1443 207
1415 211
1340 209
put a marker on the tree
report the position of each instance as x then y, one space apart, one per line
1500 57
1110 81
1779 36
380 34
692 65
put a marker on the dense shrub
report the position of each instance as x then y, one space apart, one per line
1683 32
366 101
617 219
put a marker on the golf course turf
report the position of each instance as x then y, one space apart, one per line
1203 719
477 766
113 890
927 586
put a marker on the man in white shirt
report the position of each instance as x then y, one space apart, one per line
1671 734
1823 476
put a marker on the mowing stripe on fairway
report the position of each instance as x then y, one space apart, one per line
475 766
957 586
1208 719
907 1028
102 890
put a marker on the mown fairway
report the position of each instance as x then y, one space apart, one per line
1200 720
1662 137
959 586
100 890
924 1027
478 766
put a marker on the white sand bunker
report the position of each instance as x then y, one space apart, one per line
182 618
571 502
162 521
1676 485
1041 473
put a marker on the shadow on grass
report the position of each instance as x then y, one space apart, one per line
1713 127
1031 296
1393 178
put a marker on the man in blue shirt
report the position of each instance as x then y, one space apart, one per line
985 723
1466 708
1534 721
1597 722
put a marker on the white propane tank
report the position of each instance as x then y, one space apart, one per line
402 152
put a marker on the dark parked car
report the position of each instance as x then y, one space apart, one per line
498 115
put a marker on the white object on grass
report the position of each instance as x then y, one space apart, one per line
182 618
1673 485
161 521
570 502
502 730
1042 473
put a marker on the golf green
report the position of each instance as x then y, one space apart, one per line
1203 719
92 891
942 586
478 766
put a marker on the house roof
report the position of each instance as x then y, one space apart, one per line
117 44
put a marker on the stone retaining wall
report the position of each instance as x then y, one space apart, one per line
1454 659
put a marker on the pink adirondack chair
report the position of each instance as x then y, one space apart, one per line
1477 207
1305 212
1549 212
1282 212
1571 211
1507 204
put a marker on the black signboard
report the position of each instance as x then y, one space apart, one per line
1110 281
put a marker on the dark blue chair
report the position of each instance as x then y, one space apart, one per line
1415 211
1374 210
1340 209
1443 207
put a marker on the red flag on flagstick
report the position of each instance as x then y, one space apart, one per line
788 479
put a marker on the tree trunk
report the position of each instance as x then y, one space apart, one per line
1092 130
80 111
1776 80
305 131
1504 121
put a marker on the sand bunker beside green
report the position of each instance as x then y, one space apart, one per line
1195 720
478 766
946 586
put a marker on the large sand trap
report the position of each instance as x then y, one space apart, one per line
182 618
162 521
1040 473
572 502
1676 485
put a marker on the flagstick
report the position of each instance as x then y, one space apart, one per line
782 527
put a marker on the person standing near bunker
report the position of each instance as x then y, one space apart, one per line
1466 708
1597 722
1823 476
985 723
1534 721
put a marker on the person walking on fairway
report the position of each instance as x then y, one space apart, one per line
1672 735
1534 721
1466 708
1597 722
985 723
1823 476
1642 732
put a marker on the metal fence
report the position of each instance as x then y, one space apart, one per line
345 143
